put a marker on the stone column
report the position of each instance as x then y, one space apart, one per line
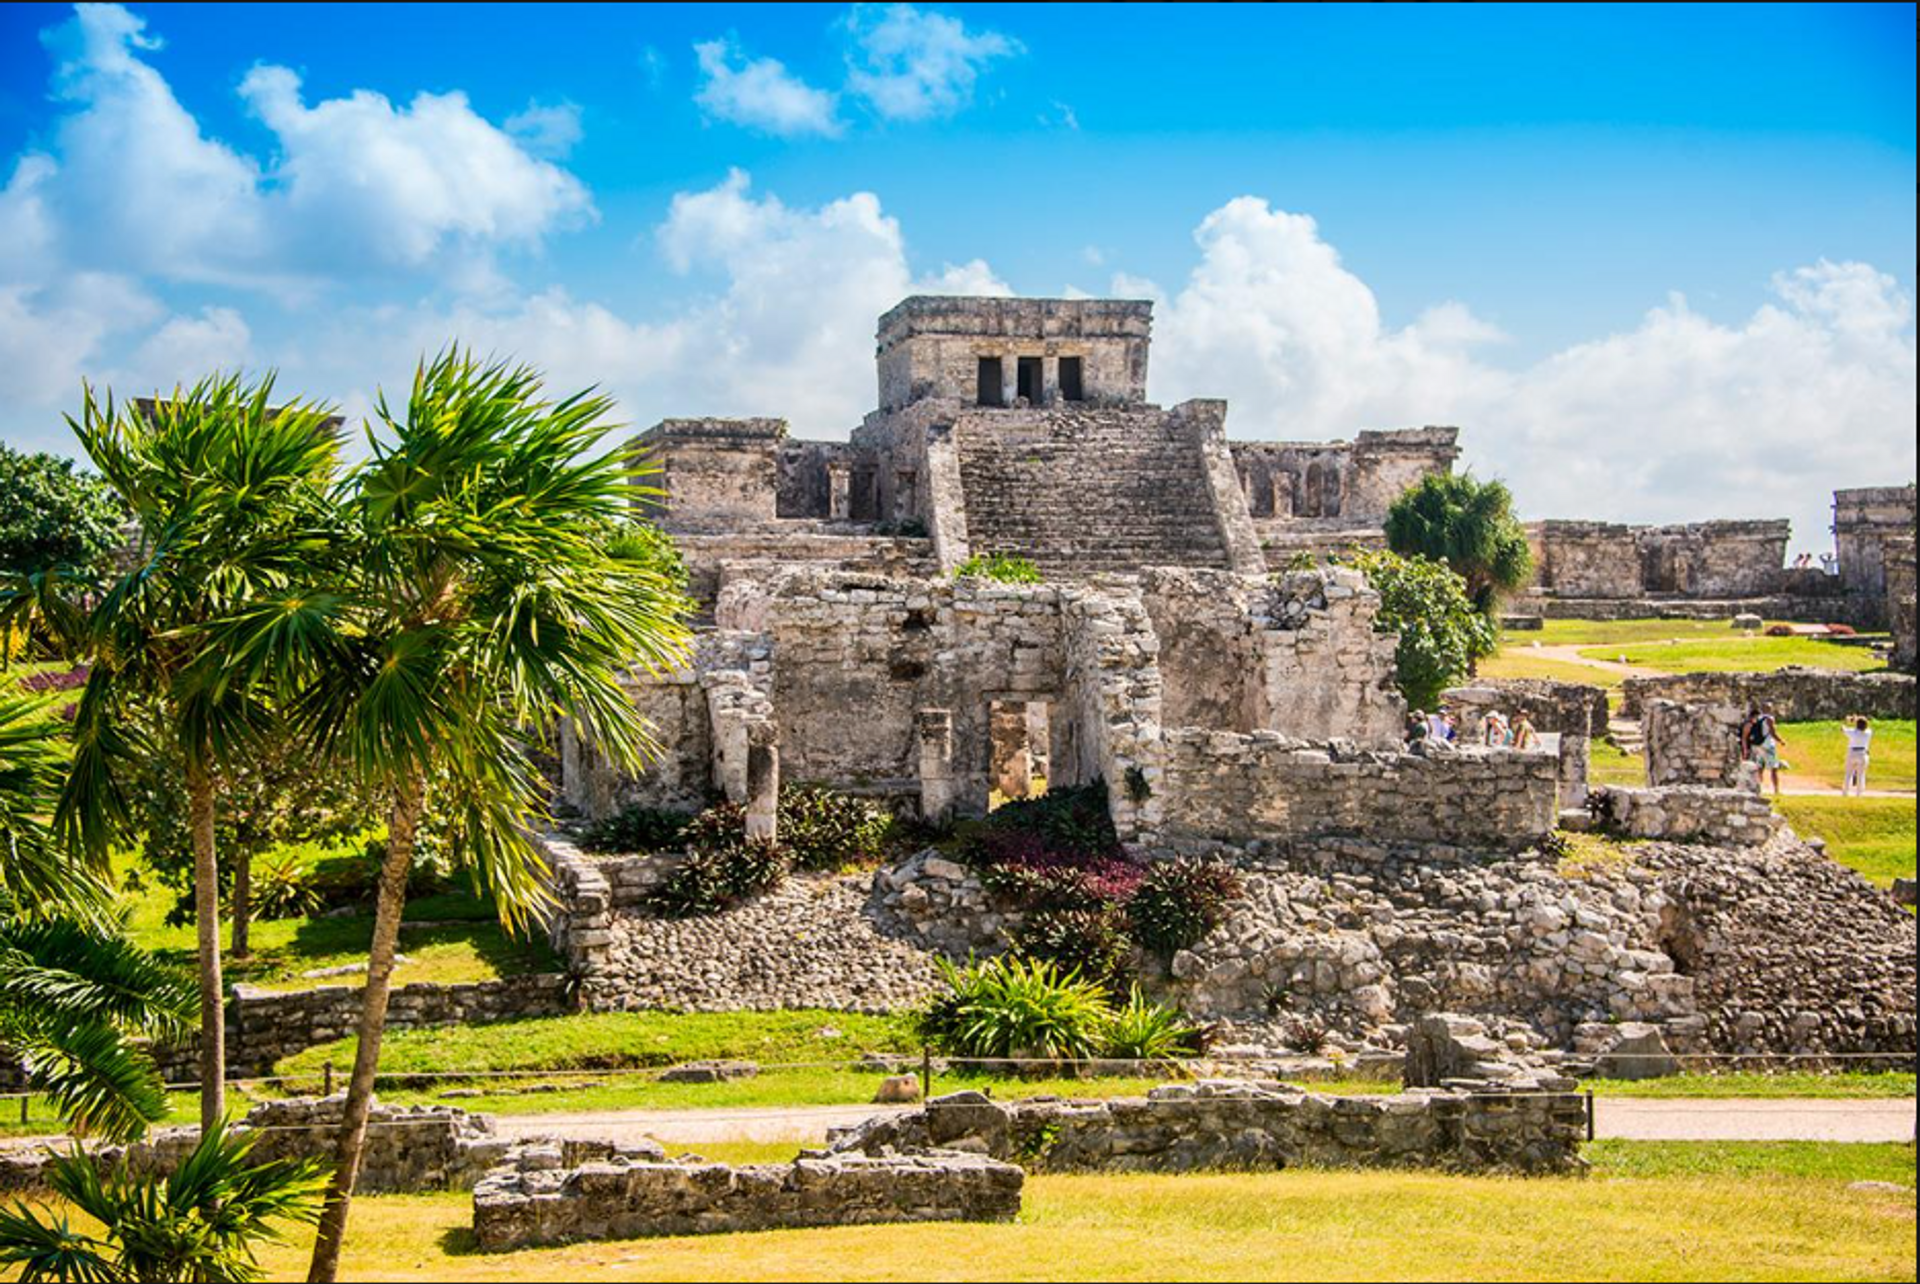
839 492
906 505
1012 760
763 781
934 727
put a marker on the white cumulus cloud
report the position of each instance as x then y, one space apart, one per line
911 64
761 93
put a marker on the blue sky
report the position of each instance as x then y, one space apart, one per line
1658 262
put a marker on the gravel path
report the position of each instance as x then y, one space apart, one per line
1635 1118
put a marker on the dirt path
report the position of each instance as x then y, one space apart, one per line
1569 653
1636 1118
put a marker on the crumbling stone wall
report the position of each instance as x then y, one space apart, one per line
1245 1126
1225 787
1353 481
1691 814
931 346
1718 559
409 1149
1695 744
1864 520
1568 715
1900 601
567 1192
1797 693
718 474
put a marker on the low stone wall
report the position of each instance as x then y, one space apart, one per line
1691 814
1797 694
409 1148
265 1025
1242 1126
1695 744
1833 608
579 914
1570 712
560 1193
1224 787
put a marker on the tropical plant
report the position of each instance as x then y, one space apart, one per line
716 876
1142 1030
1469 525
824 829
202 1223
1441 635
1010 1009
52 514
1179 902
77 1004
636 828
478 601
230 496
35 872
1092 941
1003 568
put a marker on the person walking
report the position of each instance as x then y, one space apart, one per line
1859 740
1766 741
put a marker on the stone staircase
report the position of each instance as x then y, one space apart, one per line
1628 734
1086 490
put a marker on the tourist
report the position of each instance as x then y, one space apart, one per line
1859 738
1765 738
1493 733
1524 736
1416 727
1437 726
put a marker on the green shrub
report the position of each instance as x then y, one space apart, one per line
1141 1030
1073 819
717 877
1014 1008
821 829
637 829
1179 902
1093 941
282 886
1441 633
1005 568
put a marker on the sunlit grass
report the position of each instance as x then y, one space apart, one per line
1872 835
1738 655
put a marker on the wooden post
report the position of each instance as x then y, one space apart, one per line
926 1073
326 1080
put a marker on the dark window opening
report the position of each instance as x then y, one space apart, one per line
1071 389
990 388
1029 376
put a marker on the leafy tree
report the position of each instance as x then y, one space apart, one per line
481 600
1441 632
1005 568
52 514
201 1223
75 997
231 497
1469 525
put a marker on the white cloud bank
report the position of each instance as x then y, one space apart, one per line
910 64
761 93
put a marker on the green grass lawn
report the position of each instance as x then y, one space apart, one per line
1610 765
1621 632
1649 1211
464 943
1872 835
1737 655
1818 752
1516 662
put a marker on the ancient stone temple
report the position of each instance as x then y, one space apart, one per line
1023 426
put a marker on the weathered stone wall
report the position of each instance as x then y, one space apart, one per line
1111 729
1691 814
931 346
1797 694
715 561
1808 608
1864 519
409 1149
1900 600
718 474
1718 559
1241 1126
567 1192
265 1025
1695 744
1568 715
1295 654
1352 480
1225 787
821 481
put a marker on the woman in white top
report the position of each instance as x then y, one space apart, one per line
1859 737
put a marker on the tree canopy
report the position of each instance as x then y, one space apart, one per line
1441 632
53 514
1468 524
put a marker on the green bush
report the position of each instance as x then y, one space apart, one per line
1072 819
282 886
1141 1030
1093 941
717 877
1179 902
637 829
821 829
1442 634
1005 568
1010 1008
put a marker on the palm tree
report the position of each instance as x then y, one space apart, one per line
487 597
200 1223
75 997
1469 525
231 498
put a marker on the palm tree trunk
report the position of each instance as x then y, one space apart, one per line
403 824
242 901
206 913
